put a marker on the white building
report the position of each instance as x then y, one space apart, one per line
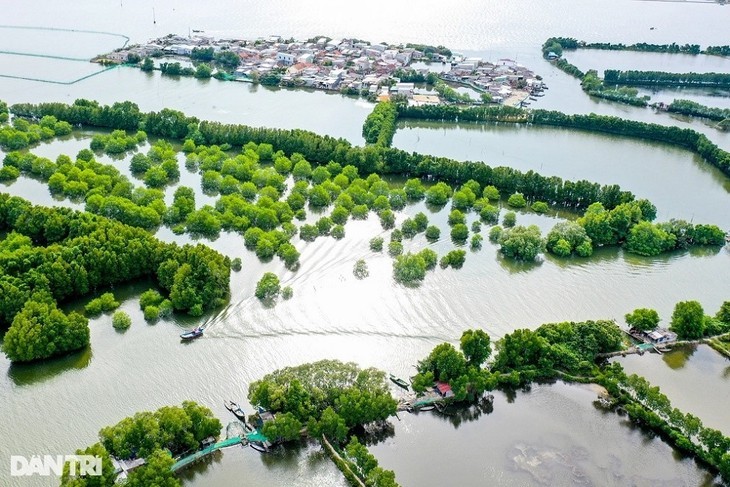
285 58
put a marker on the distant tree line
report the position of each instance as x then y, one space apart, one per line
322 149
688 107
683 137
632 77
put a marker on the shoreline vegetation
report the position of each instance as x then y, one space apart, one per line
333 401
197 278
610 86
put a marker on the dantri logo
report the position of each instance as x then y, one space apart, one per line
43 466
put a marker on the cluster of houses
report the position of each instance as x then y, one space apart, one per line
342 64
501 80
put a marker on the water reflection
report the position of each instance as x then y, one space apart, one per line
38 372
678 357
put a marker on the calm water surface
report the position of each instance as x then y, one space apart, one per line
60 405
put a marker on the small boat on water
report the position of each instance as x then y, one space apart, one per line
235 409
399 382
238 412
430 407
533 98
258 447
192 334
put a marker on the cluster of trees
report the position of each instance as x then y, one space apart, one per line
22 133
159 167
411 268
594 86
449 94
672 48
647 405
629 224
689 321
366 465
156 437
633 77
687 138
461 368
428 51
568 237
521 243
688 107
323 149
526 355
117 141
61 254
557 44
329 397
414 76
718 50
380 124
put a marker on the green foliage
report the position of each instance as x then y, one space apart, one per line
438 194
491 193
517 200
476 241
433 232
380 124
723 314
454 258
395 248
156 471
287 292
236 264
456 216
557 346
509 219
409 268
106 479
358 396
540 207
568 237
460 232
151 297
40 330
521 243
688 320
103 304
121 320
268 286
284 427
648 239
376 244
360 269
175 428
644 319
476 346
151 312
495 233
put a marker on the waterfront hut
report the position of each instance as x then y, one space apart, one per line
444 390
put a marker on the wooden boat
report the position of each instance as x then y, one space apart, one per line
238 412
230 405
192 334
429 407
399 382
533 98
258 447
